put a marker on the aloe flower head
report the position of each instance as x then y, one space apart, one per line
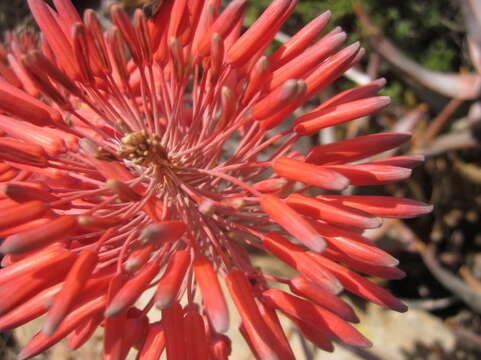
146 158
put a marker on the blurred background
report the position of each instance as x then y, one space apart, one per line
430 54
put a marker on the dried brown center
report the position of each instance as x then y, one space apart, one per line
143 149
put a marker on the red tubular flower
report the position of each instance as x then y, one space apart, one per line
122 171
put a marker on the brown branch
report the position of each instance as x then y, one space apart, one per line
470 172
471 10
439 121
431 304
450 281
470 280
466 337
454 85
448 142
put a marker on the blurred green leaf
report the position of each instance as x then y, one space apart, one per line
431 33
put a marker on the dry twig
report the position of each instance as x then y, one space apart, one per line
451 282
453 85
439 121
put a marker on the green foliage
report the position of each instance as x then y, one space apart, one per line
438 56
430 32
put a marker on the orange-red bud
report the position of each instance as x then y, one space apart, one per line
354 245
130 292
195 336
332 213
172 319
326 322
222 25
308 289
154 343
321 177
297 259
298 43
294 223
163 232
20 152
72 287
258 333
258 33
22 213
311 123
212 296
171 280
40 342
38 237
355 149
275 100
124 191
371 173
385 206
360 286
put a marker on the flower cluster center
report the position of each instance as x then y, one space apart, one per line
143 149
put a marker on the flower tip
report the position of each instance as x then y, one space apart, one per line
318 244
353 318
353 48
381 82
373 222
220 324
226 91
3 248
418 158
131 265
364 343
426 209
390 261
9 246
163 302
114 309
339 36
401 307
23 355
49 327
335 287
26 353
384 100
341 183
403 136
399 274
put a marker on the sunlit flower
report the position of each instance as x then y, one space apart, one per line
140 158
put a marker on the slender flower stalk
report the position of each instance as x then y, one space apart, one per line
138 157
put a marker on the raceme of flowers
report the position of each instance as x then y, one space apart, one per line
139 157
